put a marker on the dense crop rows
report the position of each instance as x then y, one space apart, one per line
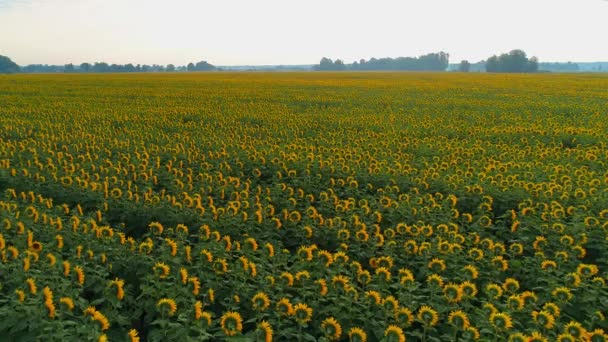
307 207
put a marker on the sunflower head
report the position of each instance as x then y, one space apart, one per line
302 313
501 321
459 319
231 323
428 316
394 334
331 328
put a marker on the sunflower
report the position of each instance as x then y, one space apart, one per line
552 308
284 307
260 301
374 296
48 301
494 291
518 337
393 333
211 295
390 303
548 265
471 271
587 270
476 253
356 334
562 294
156 228
404 316
265 332
67 301
340 257
170 303
510 285
544 318
99 317
36 247
411 247
428 316
471 333
452 293
537 337
597 335
288 277
363 277
340 282
326 257
231 323
437 265
302 313
20 295
133 335
32 285
459 319
322 286
515 302
331 328
575 329
383 273
500 263
501 321
119 283
516 248
469 290
435 280
164 269
565 337
220 266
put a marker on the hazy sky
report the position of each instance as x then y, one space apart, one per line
230 32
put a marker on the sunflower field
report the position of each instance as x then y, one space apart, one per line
304 207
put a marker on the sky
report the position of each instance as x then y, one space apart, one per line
247 32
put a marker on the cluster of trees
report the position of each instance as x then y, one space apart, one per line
8 66
200 66
514 61
429 62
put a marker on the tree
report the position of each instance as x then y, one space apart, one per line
492 64
170 68
7 66
514 61
101 67
532 65
464 66
85 67
204 66
190 67
339 65
326 64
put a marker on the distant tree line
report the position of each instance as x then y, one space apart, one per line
8 66
429 62
559 66
514 61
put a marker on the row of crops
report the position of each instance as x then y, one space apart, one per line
303 207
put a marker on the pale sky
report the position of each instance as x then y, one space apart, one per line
238 32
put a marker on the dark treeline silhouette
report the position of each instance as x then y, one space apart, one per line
514 61
8 66
429 62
